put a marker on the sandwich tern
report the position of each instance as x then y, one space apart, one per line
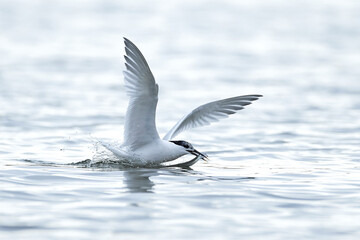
142 145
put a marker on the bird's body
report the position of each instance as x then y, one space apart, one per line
142 144
152 153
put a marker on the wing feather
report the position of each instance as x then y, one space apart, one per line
211 112
142 90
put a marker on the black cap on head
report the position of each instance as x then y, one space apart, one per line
183 143
189 148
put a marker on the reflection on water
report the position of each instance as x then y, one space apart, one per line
138 180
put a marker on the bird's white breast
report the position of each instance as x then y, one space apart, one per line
159 151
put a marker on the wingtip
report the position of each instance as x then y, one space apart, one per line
129 44
257 96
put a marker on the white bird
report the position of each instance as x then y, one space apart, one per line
142 145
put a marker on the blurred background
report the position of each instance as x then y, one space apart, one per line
61 86
61 64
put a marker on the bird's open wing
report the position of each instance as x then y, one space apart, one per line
142 90
210 112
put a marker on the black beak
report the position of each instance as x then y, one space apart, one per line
197 153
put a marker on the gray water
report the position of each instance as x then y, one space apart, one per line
286 167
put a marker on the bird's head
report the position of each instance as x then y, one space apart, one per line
189 148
